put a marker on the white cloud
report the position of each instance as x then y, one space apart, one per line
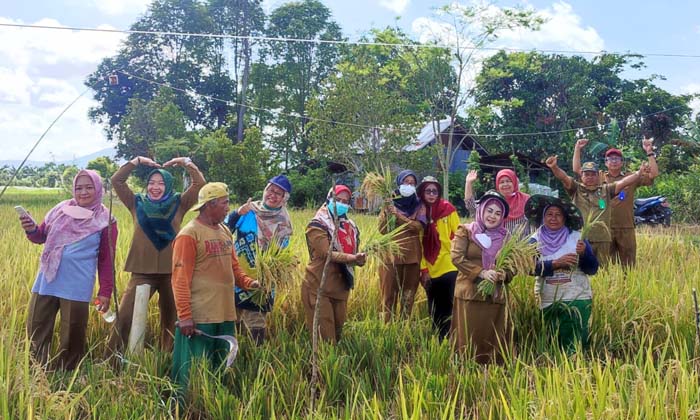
41 72
396 6
563 30
121 7
693 88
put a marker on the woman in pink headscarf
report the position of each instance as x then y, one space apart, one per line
479 320
508 185
77 244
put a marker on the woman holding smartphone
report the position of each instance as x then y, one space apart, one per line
79 239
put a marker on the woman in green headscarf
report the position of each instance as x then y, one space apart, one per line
157 216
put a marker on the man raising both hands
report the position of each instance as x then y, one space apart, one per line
624 242
593 198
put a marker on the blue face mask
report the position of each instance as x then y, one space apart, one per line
342 208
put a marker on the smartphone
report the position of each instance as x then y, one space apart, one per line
21 211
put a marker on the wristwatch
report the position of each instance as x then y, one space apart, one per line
187 161
652 154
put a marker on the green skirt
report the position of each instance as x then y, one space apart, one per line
186 349
569 322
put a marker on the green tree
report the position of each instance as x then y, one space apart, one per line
67 177
289 73
188 62
241 19
104 166
243 166
521 93
470 28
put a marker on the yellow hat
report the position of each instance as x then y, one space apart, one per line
210 191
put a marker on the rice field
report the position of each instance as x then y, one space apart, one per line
643 361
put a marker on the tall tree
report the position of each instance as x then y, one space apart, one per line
290 72
521 93
467 29
242 19
188 62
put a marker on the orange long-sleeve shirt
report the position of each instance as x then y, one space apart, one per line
205 268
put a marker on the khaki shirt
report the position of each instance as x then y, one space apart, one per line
588 201
318 243
143 256
408 239
623 210
466 256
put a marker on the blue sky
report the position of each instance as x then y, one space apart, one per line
41 71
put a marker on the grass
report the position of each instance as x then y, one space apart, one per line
642 361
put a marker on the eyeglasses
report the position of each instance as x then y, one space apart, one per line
431 192
614 159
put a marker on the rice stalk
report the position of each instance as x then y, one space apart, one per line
271 266
378 185
590 222
517 256
383 248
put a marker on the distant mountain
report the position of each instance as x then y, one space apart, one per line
80 162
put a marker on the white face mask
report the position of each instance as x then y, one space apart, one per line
407 190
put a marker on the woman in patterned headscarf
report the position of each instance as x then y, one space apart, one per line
399 277
332 216
78 242
255 225
157 216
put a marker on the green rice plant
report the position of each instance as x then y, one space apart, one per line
642 360
591 222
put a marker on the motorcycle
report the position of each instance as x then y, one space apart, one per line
652 211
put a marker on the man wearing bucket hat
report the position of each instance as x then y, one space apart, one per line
562 285
593 198
624 241
205 269
255 226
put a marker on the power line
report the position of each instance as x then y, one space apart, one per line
336 42
370 127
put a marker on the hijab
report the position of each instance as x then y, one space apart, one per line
516 201
550 241
155 216
405 205
273 223
68 223
431 213
489 240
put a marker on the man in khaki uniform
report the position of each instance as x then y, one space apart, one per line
623 246
594 200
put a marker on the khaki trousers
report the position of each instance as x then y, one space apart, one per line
624 246
72 331
480 327
602 252
398 283
332 317
166 302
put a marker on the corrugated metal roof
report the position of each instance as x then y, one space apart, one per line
427 135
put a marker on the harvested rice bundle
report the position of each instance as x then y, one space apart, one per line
384 247
517 256
271 266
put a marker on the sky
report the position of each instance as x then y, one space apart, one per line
42 71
